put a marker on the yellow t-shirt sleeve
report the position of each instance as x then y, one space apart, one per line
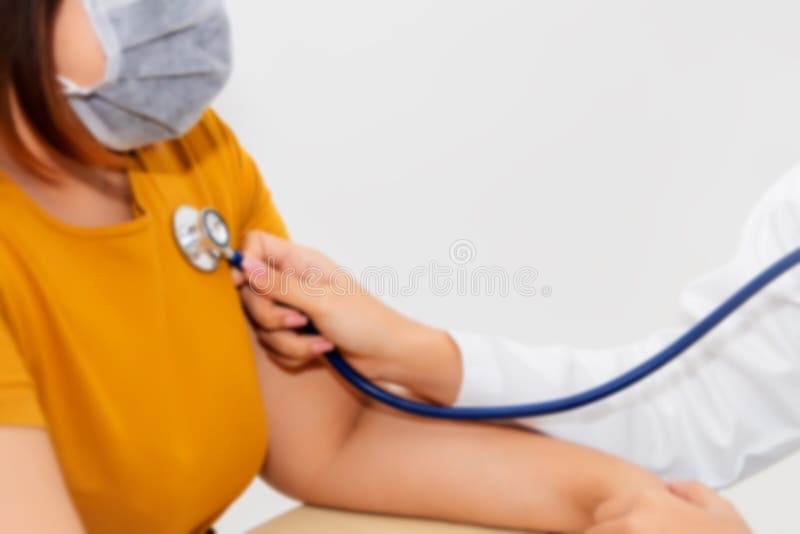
259 211
256 209
19 403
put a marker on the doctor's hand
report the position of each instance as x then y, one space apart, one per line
689 508
284 285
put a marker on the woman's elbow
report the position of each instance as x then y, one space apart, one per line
292 477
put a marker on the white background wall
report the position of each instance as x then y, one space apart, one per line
616 146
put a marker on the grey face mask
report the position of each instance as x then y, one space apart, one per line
166 61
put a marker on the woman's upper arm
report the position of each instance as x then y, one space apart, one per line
310 416
252 203
33 496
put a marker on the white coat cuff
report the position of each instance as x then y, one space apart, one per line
482 379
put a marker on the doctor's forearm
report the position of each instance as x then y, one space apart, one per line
427 362
725 409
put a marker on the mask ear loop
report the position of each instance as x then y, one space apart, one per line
70 88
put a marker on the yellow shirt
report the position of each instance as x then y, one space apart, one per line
138 365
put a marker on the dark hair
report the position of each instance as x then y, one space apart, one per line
28 75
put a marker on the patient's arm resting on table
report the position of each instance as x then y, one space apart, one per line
328 447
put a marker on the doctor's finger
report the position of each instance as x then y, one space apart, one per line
268 314
261 245
287 288
238 277
277 251
284 254
294 345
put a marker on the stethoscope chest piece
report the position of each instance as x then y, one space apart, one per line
202 236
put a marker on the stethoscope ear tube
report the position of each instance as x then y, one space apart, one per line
578 400
204 239
571 402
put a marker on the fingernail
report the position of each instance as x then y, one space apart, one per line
249 264
293 321
322 346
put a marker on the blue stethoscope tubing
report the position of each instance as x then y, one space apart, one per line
577 400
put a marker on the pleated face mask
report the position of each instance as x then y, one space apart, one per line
166 61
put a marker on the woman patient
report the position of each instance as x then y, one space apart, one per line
134 395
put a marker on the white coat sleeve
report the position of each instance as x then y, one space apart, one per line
727 408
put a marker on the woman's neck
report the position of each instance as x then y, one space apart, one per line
76 195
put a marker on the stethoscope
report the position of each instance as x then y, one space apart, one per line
204 239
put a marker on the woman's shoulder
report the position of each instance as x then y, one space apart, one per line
219 172
211 132
211 139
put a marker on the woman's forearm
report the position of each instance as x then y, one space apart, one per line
471 473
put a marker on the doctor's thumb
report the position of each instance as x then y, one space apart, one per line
281 285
